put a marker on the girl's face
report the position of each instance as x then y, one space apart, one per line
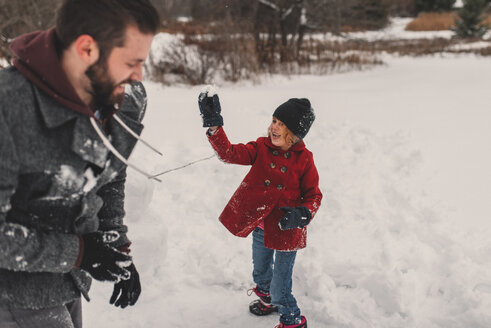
280 135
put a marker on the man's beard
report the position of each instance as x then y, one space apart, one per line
102 88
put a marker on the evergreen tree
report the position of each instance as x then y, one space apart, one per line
470 20
434 5
368 14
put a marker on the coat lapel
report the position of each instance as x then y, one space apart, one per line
87 144
85 141
54 114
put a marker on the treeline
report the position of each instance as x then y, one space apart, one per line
273 36
277 28
333 12
289 18
22 16
240 38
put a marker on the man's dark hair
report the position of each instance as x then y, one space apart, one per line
104 20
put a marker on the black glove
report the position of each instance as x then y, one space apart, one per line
102 261
126 292
210 109
297 217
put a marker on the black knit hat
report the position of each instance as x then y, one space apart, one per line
297 115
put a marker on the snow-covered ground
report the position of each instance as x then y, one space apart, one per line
401 240
396 30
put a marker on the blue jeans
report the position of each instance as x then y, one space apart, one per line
274 275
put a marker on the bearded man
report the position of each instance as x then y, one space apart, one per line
65 105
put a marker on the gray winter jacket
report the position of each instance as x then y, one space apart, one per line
57 181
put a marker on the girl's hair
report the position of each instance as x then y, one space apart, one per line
291 138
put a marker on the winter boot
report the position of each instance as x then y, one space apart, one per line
265 297
302 324
263 305
257 307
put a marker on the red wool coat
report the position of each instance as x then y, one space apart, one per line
277 178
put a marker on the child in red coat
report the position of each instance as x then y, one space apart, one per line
276 200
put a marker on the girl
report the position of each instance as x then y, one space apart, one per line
276 200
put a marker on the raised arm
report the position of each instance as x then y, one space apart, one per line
210 109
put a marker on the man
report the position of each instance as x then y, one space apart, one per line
61 189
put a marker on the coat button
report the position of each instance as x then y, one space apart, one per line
283 169
267 182
287 155
272 165
275 153
280 187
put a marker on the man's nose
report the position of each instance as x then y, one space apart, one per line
137 74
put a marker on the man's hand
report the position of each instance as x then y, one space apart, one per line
103 262
209 107
127 292
297 217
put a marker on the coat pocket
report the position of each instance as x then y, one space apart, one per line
35 206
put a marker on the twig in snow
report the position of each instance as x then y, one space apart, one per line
181 167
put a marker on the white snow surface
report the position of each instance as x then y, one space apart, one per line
395 30
402 236
401 239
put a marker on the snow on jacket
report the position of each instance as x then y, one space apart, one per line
277 178
57 180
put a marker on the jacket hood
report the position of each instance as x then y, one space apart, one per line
36 58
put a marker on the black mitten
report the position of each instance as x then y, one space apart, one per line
297 217
209 107
126 292
103 262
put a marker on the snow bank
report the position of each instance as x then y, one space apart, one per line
169 54
394 31
383 255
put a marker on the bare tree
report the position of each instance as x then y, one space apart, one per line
368 14
286 18
404 8
338 15
172 8
22 16
327 15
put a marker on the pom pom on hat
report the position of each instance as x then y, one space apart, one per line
297 114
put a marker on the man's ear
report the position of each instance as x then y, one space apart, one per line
87 49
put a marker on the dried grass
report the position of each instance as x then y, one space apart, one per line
432 22
233 55
186 28
437 21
